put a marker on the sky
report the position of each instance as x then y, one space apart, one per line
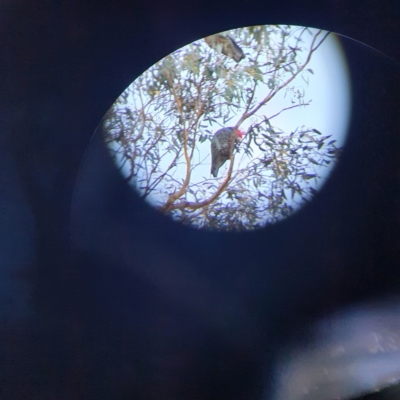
329 90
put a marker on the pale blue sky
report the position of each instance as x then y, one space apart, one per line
329 111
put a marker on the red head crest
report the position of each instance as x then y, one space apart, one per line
239 133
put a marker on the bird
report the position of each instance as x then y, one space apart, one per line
220 146
227 46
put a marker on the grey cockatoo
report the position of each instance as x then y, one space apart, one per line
226 46
220 144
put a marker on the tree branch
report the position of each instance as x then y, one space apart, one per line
194 206
174 196
282 85
288 108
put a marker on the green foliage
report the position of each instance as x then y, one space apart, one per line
158 131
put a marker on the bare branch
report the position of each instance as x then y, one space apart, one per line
288 108
282 85
186 204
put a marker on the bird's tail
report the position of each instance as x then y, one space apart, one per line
214 171
215 166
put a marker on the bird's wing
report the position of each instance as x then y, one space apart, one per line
225 141
216 143
215 156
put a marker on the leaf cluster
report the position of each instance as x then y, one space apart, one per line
159 129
